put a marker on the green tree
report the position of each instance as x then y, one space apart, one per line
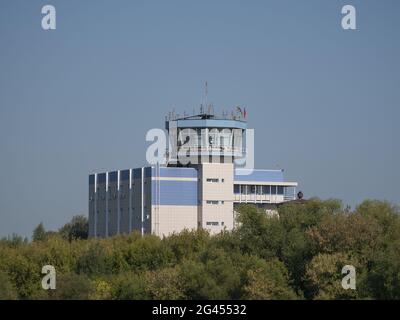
23 273
7 289
187 244
93 258
101 290
130 286
269 281
39 233
164 284
71 287
77 228
148 253
213 277
324 276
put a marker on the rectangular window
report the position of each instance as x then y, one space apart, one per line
266 189
212 201
236 189
273 189
212 223
280 189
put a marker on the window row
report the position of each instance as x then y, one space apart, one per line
260 190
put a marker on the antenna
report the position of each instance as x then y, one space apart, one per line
206 91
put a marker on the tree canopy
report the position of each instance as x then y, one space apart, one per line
298 254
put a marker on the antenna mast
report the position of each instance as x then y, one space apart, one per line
206 89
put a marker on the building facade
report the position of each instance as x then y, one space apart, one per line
199 186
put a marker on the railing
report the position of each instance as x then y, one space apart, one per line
289 197
262 198
211 149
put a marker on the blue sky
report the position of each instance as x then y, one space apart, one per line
324 101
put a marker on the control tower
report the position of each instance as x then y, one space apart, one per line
205 137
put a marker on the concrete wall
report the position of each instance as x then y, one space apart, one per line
169 219
215 210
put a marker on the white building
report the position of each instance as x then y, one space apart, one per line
201 194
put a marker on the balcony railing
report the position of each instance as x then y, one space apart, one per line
185 148
262 198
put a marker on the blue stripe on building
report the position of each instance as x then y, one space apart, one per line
171 172
258 175
175 193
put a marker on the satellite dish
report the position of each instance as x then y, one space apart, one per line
300 195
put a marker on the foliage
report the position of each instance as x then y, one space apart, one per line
298 254
39 233
78 228
269 281
7 289
71 287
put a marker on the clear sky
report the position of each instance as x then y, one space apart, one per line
324 101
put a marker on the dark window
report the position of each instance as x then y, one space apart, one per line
212 223
266 189
212 201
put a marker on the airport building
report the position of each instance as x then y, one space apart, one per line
198 186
